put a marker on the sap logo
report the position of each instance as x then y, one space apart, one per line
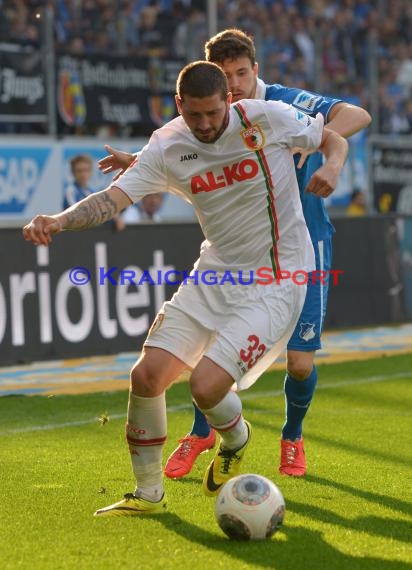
307 331
20 171
188 157
306 101
237 172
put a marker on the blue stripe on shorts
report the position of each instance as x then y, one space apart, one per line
306 336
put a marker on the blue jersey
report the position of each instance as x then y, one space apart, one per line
317 219
74 193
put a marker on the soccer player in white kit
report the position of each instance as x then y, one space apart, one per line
235 165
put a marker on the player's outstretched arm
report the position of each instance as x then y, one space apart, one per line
346 119
115 160
88 213
324 180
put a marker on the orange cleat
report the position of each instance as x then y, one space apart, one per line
292 458
181 462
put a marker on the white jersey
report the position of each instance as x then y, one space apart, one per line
243 186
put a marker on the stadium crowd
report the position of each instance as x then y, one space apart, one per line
333 41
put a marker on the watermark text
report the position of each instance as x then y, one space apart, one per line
260 276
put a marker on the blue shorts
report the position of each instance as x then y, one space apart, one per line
306 336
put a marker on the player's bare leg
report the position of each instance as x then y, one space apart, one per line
300 384
146 432
211 388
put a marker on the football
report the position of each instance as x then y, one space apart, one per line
249 507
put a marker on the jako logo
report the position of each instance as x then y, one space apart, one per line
237 172
184 157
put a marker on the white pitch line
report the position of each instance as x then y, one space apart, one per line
180 407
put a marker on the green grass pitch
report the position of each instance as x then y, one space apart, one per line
353 510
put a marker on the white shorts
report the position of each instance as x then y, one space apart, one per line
243 329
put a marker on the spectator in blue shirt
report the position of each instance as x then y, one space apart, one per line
81 167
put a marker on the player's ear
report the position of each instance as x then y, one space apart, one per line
178 102
229 98
256 68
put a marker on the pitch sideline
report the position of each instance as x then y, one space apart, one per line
180 407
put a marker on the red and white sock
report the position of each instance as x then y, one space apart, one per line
146 431
226 418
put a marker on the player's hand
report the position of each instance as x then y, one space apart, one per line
116 160
304 153
323 182
41 229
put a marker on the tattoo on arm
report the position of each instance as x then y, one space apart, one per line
90 212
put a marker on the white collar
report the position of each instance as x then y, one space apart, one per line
260 89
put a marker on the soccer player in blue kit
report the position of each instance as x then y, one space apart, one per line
234 52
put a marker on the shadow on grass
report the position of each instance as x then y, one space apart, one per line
301 545
378 401
195 480
343 446
390 502
378 526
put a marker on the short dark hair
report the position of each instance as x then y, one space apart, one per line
230 44
74 161
201 79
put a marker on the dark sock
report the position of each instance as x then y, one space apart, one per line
298 396
200 425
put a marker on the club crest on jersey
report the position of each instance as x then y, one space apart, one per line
307 331
253 137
